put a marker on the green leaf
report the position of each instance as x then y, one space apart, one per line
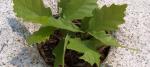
59 53
40 36
84 23
106 39
32 10
63 24
107 18
85 47
77 9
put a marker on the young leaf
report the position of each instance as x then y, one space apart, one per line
32 10
84 23
105 38
77 9
107 18
63 24
85 47
40 36
59 53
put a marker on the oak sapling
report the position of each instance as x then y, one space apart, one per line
81 23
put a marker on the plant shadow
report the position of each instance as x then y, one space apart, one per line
26 56
18 27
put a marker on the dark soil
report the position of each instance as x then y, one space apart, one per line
46 48
71 57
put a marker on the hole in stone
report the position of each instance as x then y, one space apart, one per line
71 56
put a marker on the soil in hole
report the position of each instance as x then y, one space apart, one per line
71 57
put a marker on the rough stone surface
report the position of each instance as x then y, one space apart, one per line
53 5
14 51
134 33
